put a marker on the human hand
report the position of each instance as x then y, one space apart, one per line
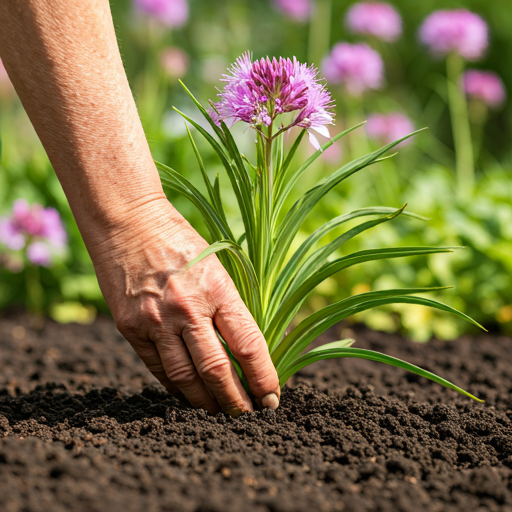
169 315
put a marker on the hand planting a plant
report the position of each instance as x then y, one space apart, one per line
216 331
64 62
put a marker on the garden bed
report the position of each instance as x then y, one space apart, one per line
83 428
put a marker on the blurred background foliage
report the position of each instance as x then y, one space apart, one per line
421 175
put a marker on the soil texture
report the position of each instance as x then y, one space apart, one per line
83 427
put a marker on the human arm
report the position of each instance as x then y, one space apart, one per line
64 62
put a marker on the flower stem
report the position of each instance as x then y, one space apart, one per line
320 31
465 165
35 292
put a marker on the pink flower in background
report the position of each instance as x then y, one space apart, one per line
174 61
171 13
459 30
485 86
377 19
38 229
387 128
257 92
298 10
357 66
39 254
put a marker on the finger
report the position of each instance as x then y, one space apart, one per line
179 369
242 334
149 355
215 368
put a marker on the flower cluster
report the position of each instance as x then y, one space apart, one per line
356 66
38 230
171 13
390 127
297 10
484 86
459 30
377 19
258 92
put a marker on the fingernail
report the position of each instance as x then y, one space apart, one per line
270 401
236 412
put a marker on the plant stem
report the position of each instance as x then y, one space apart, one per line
35 293
465 165
320 31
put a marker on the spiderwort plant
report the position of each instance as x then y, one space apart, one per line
272 282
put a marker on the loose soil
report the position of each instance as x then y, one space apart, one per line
84 428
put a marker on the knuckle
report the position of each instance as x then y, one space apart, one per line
215 369
182 376
127 324
249 344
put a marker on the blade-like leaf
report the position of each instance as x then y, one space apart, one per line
306 331
250 289
285 183
300 254
295 343
321 353
175 181
292 302
295 274
203 111
294 218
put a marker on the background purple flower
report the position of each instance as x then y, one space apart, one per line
33 227
298 10
171 13
257 92
459 30
377 19
387 128
357 66
39 254
174 61
485 86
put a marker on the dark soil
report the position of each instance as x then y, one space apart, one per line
84 428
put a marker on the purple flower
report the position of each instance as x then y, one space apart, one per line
171 13
357 66
33 226
390 127
458 30
174 61
298 10
376 19
39 254
485 86
258 92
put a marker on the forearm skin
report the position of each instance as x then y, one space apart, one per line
63 59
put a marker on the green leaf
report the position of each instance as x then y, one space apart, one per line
285 183
203 111
298 340
249 286
298 270
173 180
300 254
294 218
292 302
331 352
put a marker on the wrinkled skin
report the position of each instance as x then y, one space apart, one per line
168 314
63 60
